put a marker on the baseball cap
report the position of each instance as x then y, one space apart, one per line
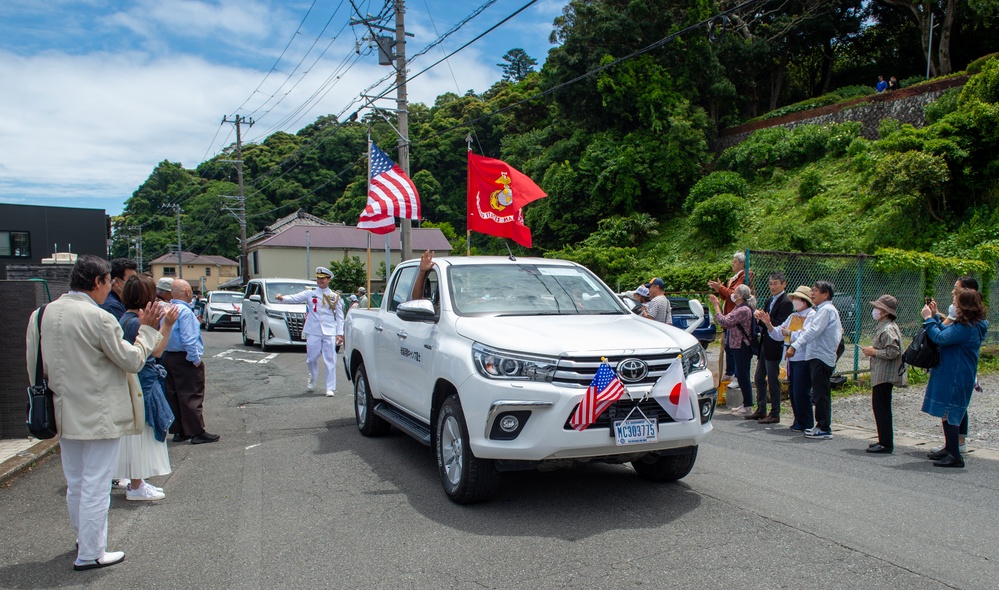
642 290
164 284
657 282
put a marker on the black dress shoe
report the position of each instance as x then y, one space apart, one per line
755 416
878 448
938 455
204 437
180 438
950 461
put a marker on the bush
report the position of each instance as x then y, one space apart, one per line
856 91
842 136
945 104
805 105
982 87
888 126
719 218
911 81
716 183
858 146
976 66
810 184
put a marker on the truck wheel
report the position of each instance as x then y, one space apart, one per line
263 340
246 341
367 422
466 479
666 467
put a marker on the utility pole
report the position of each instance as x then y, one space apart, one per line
138 245
180 261
238 121
405 224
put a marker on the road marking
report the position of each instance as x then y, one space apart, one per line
227 354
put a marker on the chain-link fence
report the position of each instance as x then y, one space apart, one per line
857 283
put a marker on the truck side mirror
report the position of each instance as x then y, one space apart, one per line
417 310
698 310
255 298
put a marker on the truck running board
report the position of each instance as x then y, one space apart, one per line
403 422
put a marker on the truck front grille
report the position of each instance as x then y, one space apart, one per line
578 371
619 410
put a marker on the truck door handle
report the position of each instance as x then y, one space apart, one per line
402 334
378 328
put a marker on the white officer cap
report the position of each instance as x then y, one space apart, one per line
323 272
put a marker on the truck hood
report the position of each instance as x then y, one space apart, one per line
557 335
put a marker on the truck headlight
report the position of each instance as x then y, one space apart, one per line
498 364
278 315
694 359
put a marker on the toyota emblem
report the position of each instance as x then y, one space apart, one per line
632 370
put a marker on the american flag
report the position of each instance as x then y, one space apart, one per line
391 194
604 390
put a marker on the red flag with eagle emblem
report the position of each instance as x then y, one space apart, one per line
497 193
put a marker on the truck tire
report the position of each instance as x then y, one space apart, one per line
466 479
246 341
263 340
367 422
666 467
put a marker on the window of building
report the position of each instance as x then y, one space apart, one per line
256 263
169 271
208 271
16 244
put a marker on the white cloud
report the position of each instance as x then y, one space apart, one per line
190 18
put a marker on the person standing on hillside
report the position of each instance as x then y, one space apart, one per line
777 309
881 85
893 83
323 325
725 295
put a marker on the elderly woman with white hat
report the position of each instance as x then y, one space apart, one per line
798 374
323 324
885 353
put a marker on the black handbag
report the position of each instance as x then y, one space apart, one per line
922 352
40 420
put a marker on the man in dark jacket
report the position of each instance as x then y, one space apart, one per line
778 307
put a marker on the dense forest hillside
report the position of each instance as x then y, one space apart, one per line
617 128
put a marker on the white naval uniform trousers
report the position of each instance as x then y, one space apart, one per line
323 322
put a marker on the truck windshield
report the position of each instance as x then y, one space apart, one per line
226 298
528 289
273 289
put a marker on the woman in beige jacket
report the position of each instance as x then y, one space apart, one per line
91 371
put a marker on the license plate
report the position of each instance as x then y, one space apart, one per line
633 432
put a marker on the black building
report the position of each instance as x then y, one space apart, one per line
30 233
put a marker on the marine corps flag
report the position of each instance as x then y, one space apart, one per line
497 193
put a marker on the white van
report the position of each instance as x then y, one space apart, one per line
268 321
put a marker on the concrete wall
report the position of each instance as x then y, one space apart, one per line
56 276
20 299
905 105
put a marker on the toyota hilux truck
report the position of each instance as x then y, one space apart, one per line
488 359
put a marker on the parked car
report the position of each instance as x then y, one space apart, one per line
221 310
687 314
266 320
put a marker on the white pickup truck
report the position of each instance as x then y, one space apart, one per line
489 366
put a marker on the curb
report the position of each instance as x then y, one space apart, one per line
27 459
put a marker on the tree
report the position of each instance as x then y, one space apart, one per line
348 274
921 11
518 65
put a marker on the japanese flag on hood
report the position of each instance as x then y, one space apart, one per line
671 393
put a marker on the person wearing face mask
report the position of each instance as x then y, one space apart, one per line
122 269
885 354
799 376
738 326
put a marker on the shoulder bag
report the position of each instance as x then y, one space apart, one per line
40 418
922 353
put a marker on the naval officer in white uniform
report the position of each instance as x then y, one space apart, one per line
323 325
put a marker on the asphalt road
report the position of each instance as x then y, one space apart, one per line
293 497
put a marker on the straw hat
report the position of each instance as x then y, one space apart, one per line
803 292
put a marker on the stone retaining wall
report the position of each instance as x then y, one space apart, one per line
905 105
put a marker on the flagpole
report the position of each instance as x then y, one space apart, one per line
468 187
367 268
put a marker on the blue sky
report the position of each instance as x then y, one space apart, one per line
96 93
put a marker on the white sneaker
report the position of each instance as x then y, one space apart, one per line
311 384
145 492
743 411
106 559
733 385
329 393
960 448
